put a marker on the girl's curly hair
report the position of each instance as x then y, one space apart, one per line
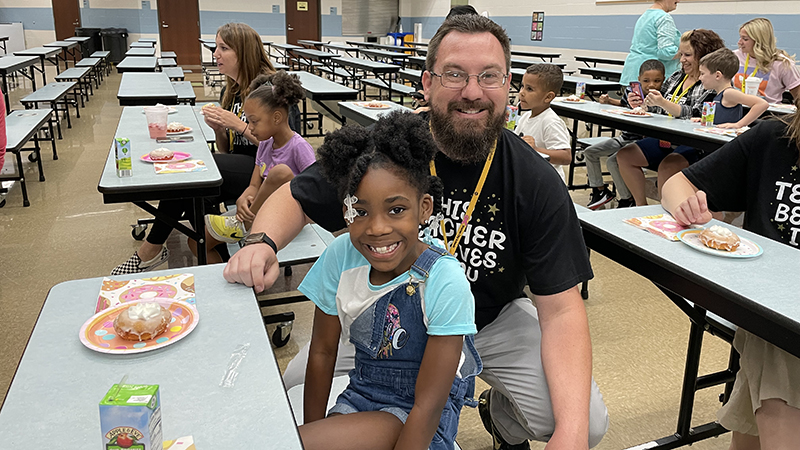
400 142
277 90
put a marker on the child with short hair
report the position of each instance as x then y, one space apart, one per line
540 126
651 76
405 304
281 155
716 70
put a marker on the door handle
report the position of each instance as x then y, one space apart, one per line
290 28
165 26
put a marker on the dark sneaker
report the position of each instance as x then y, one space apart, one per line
134 264
625 203
600 198
486 418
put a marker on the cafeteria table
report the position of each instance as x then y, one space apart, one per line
59 382
595 61
3 43
284 52
141 89
601 73
324 93
142 44
339 47
544 56
208 132
145 185
68 48
312 44
754 294
307 57
353 111
382 71
134 51
11 64
383 55
137 64
83 41
44 54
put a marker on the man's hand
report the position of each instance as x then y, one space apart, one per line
693 210
254 265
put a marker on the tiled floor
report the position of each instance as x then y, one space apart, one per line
639 337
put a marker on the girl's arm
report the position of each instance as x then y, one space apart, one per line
321 363
243 203
686 203
436 375
757 107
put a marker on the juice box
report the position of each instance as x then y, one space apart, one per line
511 117
580 89
122 149
130 418
709 110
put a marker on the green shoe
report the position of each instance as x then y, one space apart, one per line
224 228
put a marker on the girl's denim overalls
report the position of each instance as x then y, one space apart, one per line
390 338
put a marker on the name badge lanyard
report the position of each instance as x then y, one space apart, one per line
747 63
682 94
475 195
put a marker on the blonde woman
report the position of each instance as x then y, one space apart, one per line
654 37
759 57
764 409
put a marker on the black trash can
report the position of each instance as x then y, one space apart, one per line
115 40
95 43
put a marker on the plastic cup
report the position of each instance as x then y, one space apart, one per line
751 85
156 120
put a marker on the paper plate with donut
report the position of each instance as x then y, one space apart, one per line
720 241
139 326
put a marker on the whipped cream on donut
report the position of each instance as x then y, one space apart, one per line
722 231
144 311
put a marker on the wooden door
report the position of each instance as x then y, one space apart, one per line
67 16
302 20
179 26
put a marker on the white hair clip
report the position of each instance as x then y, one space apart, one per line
350 214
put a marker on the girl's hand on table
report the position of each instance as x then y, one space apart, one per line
693 210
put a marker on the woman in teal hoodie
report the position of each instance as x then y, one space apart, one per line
654 37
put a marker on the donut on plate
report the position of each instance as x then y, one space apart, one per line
142 321
720 238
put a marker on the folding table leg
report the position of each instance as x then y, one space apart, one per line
21 173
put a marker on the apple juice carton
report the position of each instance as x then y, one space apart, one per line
709 110
130 418
580 89
512 113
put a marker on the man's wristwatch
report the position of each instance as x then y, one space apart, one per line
257 238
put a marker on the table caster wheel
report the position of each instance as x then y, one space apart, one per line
32 157
282 334
138 231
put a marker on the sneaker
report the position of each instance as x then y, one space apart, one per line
625 203
600 198
224 228
498 442
134 263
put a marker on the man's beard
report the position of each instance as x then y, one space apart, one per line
464 140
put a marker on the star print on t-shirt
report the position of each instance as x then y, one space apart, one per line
786 207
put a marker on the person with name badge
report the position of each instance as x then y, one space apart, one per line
771 70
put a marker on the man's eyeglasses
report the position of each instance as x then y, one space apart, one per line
456 79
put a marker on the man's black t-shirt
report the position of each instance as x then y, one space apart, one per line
757 173
524 227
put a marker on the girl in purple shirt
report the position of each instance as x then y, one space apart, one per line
281 155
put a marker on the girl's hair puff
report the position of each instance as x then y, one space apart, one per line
278 90
400 142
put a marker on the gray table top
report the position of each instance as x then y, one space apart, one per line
591 59
78 38
137 62
286 46
310 42
318 88
10 64
145 85
210 44
141 52
88 62
152 40
279 66
3 38
673 129
21 124
184 90
383 54
50 92
308 245
761 284
532 54
133 125
411 75
524 63
173 72
62 44
265 42
366 64
39 51
418 60
316 55
366 116
188 373
142 44
340 47
73 73
168 62
101 54
600 70
208 132
592 83
169 55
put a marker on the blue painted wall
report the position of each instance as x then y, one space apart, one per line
614 33
143 21
31 18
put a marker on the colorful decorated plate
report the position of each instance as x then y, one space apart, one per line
98 332
374 105
175 133
633 114
570 100
176 156
747 248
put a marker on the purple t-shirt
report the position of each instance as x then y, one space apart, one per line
297 154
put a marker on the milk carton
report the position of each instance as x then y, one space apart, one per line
130 418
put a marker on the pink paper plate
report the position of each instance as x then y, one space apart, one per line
176 156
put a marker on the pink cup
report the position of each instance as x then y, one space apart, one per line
156 120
